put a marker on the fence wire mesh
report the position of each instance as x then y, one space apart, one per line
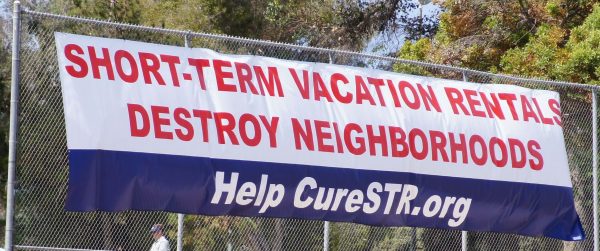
42 172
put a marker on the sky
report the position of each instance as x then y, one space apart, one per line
383 45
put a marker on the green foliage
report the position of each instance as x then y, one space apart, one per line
553 8
417 51
182 15
477 34
583 63
539 57
110 10
548 56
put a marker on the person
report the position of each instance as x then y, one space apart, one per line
160 242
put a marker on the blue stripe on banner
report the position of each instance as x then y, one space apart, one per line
118 181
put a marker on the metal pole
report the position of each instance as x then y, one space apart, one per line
326 236
463 234
229 244
413 239
595 165
463 240
181 216
180 232
14 127
186 39
326 223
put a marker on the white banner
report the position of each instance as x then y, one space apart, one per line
125 96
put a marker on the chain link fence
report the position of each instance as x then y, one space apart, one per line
41 223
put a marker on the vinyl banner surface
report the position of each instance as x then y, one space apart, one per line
189 130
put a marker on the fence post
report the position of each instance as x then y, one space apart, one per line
180 232
326 236
181 216
413 239
14 127
326 223
595 165
463 234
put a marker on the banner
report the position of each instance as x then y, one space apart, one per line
189 130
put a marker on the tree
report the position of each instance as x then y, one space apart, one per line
476 34
555 39
583 62
554 54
